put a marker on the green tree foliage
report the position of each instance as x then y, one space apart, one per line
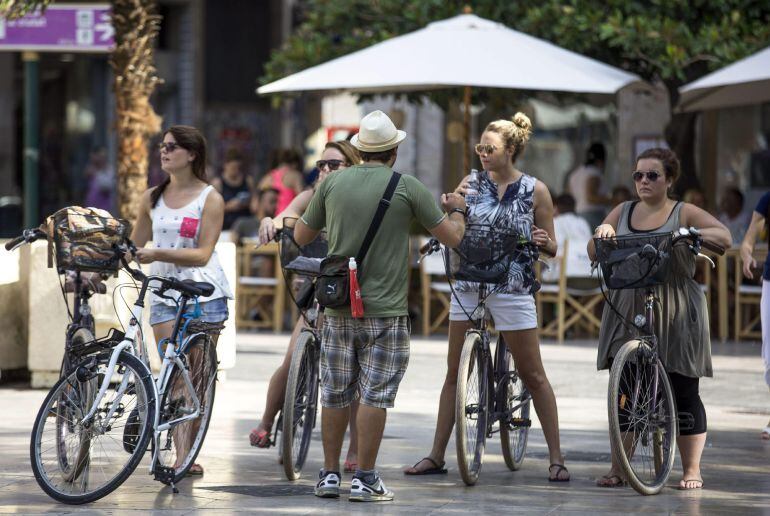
670 41
14 9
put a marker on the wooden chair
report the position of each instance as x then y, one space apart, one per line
265 294
746 296
435 288
573 306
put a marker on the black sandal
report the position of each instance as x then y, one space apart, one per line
437 469
561 467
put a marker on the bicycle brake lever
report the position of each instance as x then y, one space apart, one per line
708 259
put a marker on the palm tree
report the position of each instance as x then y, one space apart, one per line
136 24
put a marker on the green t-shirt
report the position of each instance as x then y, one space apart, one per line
345 204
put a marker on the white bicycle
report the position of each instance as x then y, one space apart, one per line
99 418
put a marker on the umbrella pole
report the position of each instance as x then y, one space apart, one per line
467 131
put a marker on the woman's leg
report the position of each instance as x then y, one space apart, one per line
692 428
352 456
525 348
276 391
446 407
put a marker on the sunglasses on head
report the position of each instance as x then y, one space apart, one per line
169 146
485 148
333 164
652 175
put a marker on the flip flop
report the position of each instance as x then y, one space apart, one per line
437 469
766 433
262 439
619 483
560 468
350 467
681 488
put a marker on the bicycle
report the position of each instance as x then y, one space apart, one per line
113 408
640 402
300 405
489 388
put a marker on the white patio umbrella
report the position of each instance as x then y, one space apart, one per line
744 82
466 51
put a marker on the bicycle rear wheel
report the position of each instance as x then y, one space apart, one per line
98 446
300 405
181 443
471 409
642 417
514 427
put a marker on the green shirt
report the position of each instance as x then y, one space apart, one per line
345 204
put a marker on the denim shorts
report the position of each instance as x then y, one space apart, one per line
213 311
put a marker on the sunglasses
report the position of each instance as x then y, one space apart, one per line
169 146
333 164
652 175
485 148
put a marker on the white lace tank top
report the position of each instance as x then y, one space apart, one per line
180 229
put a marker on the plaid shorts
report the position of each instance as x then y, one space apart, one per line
366 357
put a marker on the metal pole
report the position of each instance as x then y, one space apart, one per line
466 131
31 137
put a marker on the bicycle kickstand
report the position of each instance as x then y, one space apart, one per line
166 475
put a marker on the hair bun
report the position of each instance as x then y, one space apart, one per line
522 121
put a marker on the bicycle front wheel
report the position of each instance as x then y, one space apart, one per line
76 460
642 417
515 423
471 409
180 444
300 405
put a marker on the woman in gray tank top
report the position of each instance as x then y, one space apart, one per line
682 322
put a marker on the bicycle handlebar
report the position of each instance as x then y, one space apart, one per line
27 236
694 236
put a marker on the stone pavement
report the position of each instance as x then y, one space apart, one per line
241 479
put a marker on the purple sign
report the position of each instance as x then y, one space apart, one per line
61 28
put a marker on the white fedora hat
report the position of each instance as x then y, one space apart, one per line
377 133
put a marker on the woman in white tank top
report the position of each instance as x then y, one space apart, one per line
183 217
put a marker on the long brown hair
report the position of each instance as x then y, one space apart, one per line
190 139
351 153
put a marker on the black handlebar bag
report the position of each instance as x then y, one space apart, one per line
333 283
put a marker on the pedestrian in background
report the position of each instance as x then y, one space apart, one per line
366 358
759 219
235 187
286 178
586 184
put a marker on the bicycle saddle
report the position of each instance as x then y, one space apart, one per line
196 288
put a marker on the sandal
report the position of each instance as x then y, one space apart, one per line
350 467
196 470
766 433
260 438
611 481
437 469
559 469
683 484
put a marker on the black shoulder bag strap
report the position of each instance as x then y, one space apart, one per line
377 220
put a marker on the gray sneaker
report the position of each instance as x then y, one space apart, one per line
329 485
360 491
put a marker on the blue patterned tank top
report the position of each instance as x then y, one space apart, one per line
515 213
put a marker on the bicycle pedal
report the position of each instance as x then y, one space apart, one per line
521 422
166 475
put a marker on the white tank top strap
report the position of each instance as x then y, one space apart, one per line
202 197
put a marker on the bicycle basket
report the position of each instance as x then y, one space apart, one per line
634 261
485 255
304 259
85 238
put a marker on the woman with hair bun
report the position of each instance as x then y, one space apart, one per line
507 198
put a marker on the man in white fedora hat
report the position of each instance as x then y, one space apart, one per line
366 357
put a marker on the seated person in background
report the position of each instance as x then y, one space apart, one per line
569 226
248 227
731 214
286 178
235 187
695 197
620 194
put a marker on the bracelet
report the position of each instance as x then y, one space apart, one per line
458 210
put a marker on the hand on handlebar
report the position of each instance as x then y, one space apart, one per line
604 231
266 230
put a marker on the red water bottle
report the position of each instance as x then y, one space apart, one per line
356 303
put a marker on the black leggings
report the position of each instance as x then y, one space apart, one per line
689 407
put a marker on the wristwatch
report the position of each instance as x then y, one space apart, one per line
459 210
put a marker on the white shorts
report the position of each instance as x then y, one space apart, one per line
510 312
